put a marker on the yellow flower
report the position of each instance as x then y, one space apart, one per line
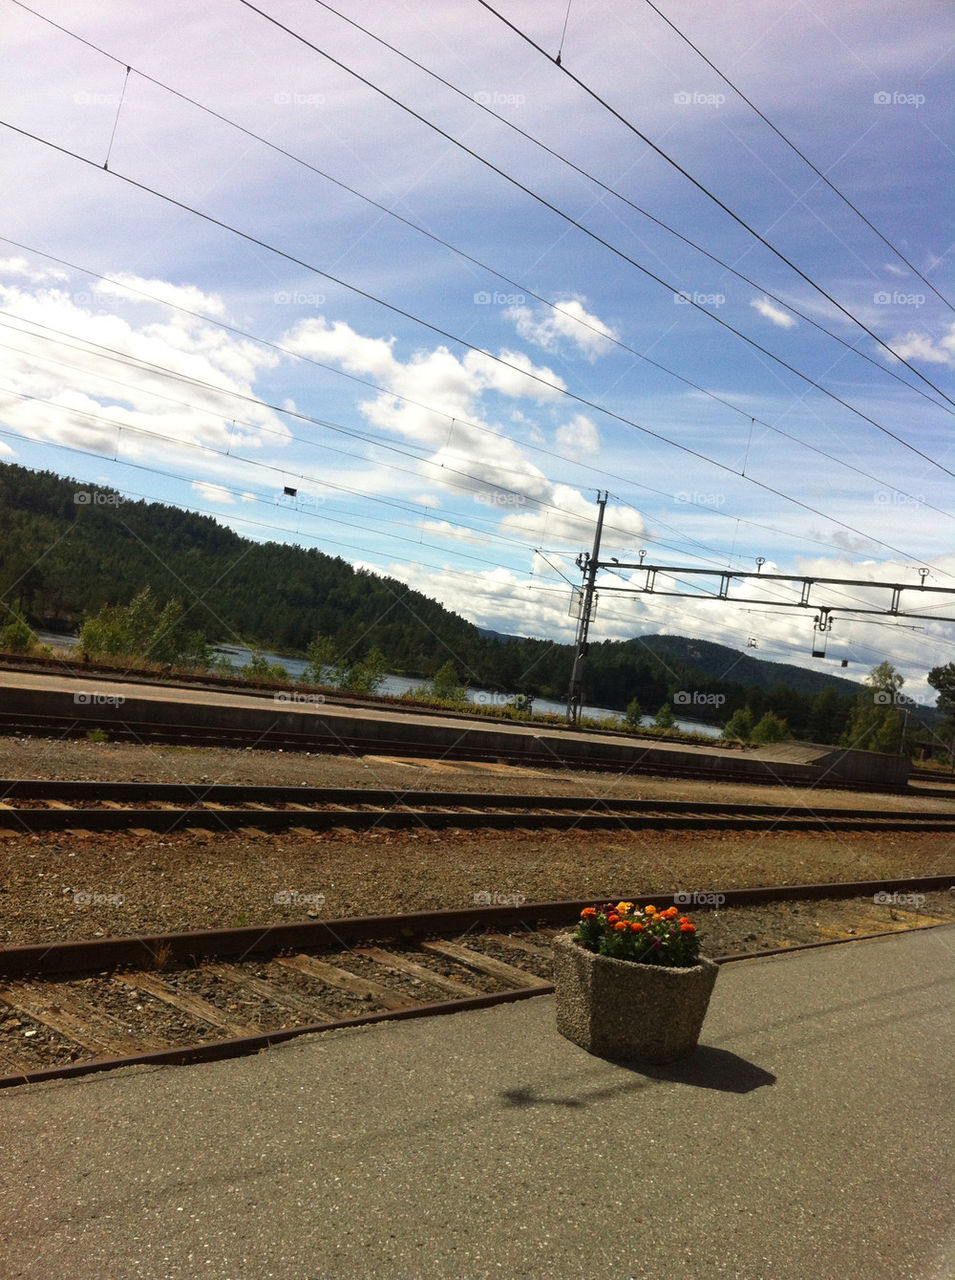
624 907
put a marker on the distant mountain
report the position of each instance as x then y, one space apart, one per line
67 549
723 663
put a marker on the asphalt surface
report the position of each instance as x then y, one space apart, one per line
809 1138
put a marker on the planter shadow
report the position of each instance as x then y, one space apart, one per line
707 1068
704 1068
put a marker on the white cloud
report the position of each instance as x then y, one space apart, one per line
216 492
921 346
178 295
445 530
574 521
36 275
437 400
339 342
566 321
579 439
774 314
67 387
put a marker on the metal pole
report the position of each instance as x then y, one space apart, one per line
589 567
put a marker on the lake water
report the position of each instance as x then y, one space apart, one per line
395 686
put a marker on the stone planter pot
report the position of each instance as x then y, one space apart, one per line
629 1012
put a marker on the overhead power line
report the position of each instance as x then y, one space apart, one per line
519 285
802 156
670 288
452 337
584 173
441 470
135 362
218 515
463 342
467 423
421 230
710 195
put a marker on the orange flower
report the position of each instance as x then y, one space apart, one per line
669 913
649 911
688 928
624 907
684 919
612 919
620 924
588 913
636 927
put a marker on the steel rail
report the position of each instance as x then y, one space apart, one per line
325 808
97 954
374 927
96 791
35 821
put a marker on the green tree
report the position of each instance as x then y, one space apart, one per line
322 663
942 680
633 715
828 717
739 727
365 676
874 723
445 685
16 635
884 679
259 668
664 718
142 629
771 729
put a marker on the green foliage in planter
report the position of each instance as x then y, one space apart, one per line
641 934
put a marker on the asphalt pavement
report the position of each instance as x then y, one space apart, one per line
810 1137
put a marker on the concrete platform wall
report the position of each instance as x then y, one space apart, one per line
391 731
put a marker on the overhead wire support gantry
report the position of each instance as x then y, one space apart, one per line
726 578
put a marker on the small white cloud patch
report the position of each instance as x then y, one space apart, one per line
776 315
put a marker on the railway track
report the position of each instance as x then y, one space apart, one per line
35 805
69 1009
41 805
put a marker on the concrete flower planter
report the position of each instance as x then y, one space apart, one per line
629 1012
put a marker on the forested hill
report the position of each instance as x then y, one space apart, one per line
69 559
724 663
61 560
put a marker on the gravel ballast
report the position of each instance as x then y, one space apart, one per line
62 886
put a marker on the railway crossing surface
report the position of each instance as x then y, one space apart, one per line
810 1135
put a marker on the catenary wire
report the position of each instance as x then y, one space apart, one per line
802 156
702 188
454 338
464 422
557 155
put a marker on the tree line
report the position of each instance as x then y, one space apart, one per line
74 565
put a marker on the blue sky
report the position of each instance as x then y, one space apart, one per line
471 472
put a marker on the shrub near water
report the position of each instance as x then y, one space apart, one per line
16 635
641 934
